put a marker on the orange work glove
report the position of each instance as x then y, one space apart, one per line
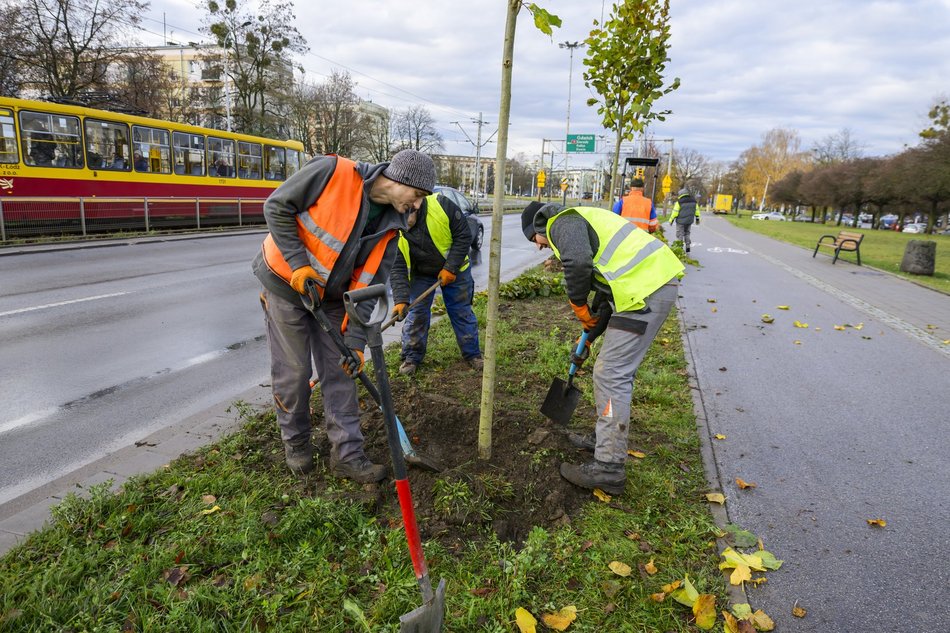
353 364
300 276
584 315
445 277
578 359
400 311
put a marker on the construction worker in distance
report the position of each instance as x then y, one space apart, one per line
435 249
685 210
606 253
336 222
636 207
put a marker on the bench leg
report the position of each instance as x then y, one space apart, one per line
815 253
858 251
837 252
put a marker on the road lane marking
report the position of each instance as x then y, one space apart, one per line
27 419
61 303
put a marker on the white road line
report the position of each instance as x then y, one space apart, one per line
61 303
27 419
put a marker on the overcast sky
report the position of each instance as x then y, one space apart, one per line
746 67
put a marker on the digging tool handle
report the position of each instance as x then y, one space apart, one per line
581 342
425 294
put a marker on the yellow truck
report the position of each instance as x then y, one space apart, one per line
722 203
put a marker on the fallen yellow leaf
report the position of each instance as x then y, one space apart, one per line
621 569
782 307
687 595
600 494
668 588
929 326
705 611
800 324
637 454
740 574
767 318
744 484
759 581
650 568
715 310
798 611
730 625
732 558
710 300
858 326
719 436
658 597
525 621
797 342
877 522
818 329
761 621
561 620
715 497
839 327
211 510
947 342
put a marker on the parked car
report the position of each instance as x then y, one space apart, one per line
887 222
915 227
470 210
771 215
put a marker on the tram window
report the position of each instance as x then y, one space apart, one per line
107 145
49 140
152 150
293 162
189 152
221 157
249 160
8 151
273 163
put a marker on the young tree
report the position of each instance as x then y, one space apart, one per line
414 128
140 81
779 153
257 49
625 61
377 141
67 46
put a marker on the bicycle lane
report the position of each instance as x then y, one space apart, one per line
834 426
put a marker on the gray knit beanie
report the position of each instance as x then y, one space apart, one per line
413 169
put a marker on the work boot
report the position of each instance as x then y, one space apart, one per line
408 368
299 456
360 470
476 362
687 249
583 441
596 474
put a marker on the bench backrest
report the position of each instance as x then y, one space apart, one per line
848 235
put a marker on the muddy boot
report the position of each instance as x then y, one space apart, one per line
583 440
408 368
476 362
299 456
596 474
360 470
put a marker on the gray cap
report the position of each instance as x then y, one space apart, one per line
684 191
412 168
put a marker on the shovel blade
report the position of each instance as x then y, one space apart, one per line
561 401
427 618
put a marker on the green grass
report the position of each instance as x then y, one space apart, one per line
880 249
273 556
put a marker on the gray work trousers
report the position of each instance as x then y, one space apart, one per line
620 356
294 338
682 233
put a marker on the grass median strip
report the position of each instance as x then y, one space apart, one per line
226 540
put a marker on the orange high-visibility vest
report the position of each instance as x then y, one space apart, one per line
326 227
637 208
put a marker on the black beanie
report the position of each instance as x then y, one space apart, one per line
413 169
527 219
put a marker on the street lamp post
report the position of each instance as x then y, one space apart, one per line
570 46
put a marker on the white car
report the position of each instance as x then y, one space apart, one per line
771 215
916 227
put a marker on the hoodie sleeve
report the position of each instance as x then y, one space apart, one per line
571 234
295 195
399 281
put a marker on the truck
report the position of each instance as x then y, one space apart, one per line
722 203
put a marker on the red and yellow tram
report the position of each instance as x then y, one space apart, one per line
52 150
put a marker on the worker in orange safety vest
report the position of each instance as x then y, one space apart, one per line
636 207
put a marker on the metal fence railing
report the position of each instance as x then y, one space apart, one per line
31 217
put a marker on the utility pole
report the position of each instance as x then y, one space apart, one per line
478 148
570 46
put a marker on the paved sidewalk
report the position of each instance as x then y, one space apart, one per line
835 426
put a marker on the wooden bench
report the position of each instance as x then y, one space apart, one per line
845 241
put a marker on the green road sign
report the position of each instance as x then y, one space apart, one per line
580 143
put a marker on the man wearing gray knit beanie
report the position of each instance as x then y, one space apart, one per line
333 225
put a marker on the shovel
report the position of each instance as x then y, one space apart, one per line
311 301
563 397
428 617
425 294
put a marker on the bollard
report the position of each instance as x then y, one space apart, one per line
198 212
145 204
82 215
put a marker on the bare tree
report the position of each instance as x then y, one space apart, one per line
257 47
67 46
339 120
414 128
377 140
141 81
302 116
690 169
837 148
11 67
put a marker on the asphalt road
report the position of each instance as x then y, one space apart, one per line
834 426
105 345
